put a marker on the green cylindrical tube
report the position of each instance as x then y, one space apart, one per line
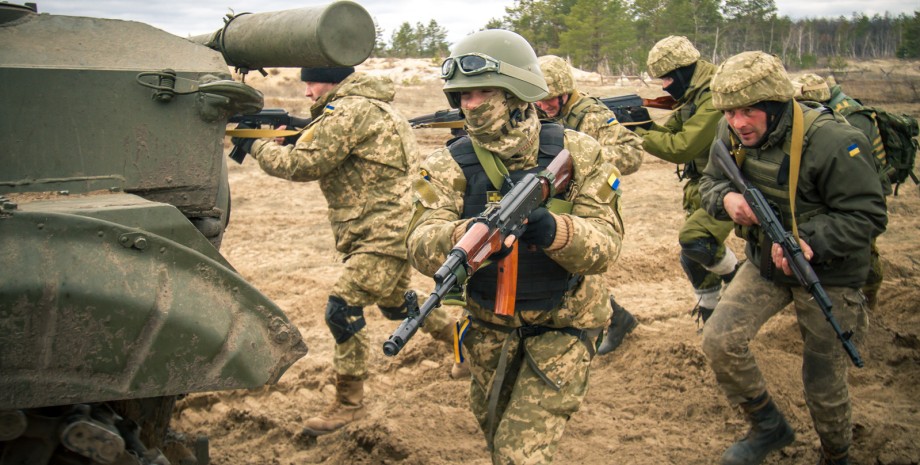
337 34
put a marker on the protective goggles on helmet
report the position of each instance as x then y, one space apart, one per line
472 64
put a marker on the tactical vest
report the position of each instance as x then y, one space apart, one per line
542 283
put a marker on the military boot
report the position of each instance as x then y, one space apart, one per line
446 335
347 407
840 457
621 324
769 432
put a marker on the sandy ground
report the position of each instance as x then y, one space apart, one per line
653 401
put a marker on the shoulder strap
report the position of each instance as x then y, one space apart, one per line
795 159
492 165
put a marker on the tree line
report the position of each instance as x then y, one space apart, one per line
614 36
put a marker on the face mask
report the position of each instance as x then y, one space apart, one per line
506 127
485 122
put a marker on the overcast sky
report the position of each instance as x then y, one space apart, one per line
459 17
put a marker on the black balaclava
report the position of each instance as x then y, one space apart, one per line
681 77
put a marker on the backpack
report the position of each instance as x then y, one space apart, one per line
899 134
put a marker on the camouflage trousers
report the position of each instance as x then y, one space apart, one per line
700 225
746 306
528 415
374 279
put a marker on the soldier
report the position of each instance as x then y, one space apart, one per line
581 112
530 370
685 138
814 88
361 151
839 208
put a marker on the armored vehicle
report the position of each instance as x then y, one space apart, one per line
114 298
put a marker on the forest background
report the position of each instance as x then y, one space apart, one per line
613 37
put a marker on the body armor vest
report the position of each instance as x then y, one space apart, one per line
542 283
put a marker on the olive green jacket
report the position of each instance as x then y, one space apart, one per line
687 135
840 207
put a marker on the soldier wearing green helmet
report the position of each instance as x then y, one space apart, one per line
839 209
584 113
685 139
529 370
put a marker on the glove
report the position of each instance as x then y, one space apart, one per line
242 143
540 229
640 115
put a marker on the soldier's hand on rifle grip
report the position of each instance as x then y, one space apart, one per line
244 144
738 209
640 117
780 260
540 229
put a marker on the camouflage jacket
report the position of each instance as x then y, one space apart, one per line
593 246
839 202
590 116
361 151
687 135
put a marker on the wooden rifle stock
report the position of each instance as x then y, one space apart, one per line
665 102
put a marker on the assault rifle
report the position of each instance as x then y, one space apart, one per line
497 226
623 106
275 117
791 249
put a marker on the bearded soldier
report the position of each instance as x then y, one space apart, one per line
827 194
529 370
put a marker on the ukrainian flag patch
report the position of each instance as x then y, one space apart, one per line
853 149
612 121
613 181
328 109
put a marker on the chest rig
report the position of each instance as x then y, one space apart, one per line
542 283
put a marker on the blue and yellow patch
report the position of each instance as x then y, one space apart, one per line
613 181
328 109
425 175
612 121
853 150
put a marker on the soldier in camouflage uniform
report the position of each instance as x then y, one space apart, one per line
530 370
839 209
814 88
581 112
361 152
685 138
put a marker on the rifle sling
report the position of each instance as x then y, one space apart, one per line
263 133
586 336
795 161
493 166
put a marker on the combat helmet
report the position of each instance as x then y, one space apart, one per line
558 75
812 87
748 78
671 53
493 58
